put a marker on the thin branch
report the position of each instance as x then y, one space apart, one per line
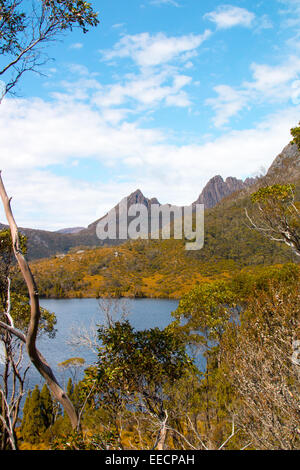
233 433
84 405
8 310
14 331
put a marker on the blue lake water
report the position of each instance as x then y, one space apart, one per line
80 316
77 317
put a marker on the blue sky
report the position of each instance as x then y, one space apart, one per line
161 96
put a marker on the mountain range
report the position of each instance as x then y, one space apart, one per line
42 243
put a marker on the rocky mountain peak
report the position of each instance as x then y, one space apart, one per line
286 164
137 197
216 189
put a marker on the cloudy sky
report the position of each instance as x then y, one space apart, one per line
162 96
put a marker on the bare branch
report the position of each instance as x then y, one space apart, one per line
233 433
14 331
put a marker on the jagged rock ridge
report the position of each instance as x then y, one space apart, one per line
216 189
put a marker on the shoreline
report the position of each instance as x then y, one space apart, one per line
109 298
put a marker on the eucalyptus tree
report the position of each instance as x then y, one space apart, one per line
276 215
25 30
14 313
136 371
30 336
27 27
275 210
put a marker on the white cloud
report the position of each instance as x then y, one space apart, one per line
76 45
228 103
264 22
79 69
118 25
159 81
86 120
77 90
274 80
35 135
179 100
147 89
52 202
270 84
291 12
184 170
228 16
114 116
152 50
165 2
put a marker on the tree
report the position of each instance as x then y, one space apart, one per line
32 423
47 407
295 131
206 310
204 314
26 409
10 397
259 357
15 312
35 314
24 31
26 28
72 365
276 215
207 317
135 371
38 414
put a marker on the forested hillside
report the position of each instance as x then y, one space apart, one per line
162 268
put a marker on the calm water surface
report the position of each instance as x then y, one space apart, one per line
78 315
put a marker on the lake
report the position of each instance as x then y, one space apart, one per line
77 317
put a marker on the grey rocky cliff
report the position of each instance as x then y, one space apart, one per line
286 165
217 188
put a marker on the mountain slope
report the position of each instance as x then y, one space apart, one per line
70 230
163 268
